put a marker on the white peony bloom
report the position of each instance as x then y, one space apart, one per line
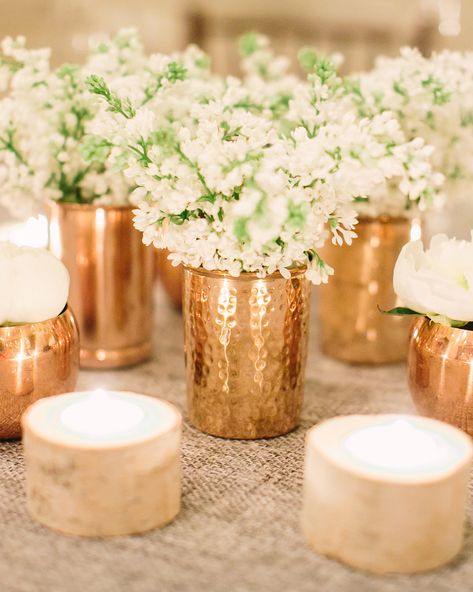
35 285
437 282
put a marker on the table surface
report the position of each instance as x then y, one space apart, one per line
238 530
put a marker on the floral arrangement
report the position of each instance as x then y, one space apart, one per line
226 187
416 183
438 282
45 147
432 98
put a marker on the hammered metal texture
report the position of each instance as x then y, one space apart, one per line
36 360
111 281
441 372
246 347
352 327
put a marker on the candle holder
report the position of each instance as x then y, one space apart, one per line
386 494
102 464
36 360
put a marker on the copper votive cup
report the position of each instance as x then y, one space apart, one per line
352 327
246 346
36 360
111 281
440 370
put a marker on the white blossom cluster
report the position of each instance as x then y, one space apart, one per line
46 151
406 160
225 187
432 98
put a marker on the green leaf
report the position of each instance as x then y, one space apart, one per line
401 311
249 44
240 230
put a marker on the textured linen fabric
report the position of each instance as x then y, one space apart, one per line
238 530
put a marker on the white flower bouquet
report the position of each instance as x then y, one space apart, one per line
436 282
225 187
432 98
45 116
415 181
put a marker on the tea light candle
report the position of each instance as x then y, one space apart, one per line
102 463
386 493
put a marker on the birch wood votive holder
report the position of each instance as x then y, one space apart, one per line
386 493
102 463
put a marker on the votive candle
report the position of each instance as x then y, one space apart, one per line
102 463
386 493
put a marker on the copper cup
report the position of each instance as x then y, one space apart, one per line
351 325
440 369
246 347
171 278
36 360
111 281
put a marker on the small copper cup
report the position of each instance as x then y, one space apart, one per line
246 347
171 277
352 327
440 369
111 281
36 360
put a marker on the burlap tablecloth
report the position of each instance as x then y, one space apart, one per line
239 526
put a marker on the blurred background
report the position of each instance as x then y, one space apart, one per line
360 29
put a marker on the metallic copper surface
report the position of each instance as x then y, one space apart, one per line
441 372
352 328
171 278
36 360
111 281
246 347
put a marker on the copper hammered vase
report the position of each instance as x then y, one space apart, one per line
246 347
111 281
36 360
351 325
171 278
440 367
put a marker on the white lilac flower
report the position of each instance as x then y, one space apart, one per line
408 176
432 98
226 187
46 116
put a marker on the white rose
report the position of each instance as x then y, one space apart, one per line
438 281
34 284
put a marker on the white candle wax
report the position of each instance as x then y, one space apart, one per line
386 493
108 462
401 446
102 418
101 415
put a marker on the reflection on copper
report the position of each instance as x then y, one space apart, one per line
352 327
441 372
111 281
246 347
170 276
36 360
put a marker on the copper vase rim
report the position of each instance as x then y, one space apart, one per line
89 206
20 328
446 329
245 275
